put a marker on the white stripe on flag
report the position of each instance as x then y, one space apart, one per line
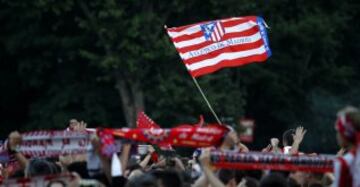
197 28
232 19
201 39
219 28
217 34
241 27
188 31
213 37
251 39
191 42
225 56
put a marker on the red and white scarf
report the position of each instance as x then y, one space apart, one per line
54 143
271 161
48 180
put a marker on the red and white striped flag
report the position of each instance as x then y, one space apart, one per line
211 45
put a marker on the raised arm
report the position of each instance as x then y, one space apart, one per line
205 163
298 137
275 145
13 144
202 181
147 158
124 157
105 162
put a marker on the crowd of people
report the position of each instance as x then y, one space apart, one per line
149 166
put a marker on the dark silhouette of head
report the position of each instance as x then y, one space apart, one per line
145 180
273 180
38 166
226 175
168 178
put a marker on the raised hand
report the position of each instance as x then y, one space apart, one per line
14 140
151 149
299 134
298 137
75 125
242 148
275 145
266 149
341 152
81 126
274 142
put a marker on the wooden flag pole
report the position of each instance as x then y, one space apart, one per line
202 93
206 100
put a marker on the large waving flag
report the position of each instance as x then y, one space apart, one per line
211 45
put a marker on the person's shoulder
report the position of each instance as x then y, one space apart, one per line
349 157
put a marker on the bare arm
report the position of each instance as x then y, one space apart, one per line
105 162
106 166
147 158
213 180
201 181
266 149
205 162
21 159
14 142
145 161
298 137
179 165
125 156
242 148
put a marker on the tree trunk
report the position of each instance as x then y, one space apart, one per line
129 88
132 98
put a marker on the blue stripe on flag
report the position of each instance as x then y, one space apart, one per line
260 22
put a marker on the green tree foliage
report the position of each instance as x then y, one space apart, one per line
104 60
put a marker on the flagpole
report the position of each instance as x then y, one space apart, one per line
206 100
202 94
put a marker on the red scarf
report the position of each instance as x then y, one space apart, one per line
185 135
